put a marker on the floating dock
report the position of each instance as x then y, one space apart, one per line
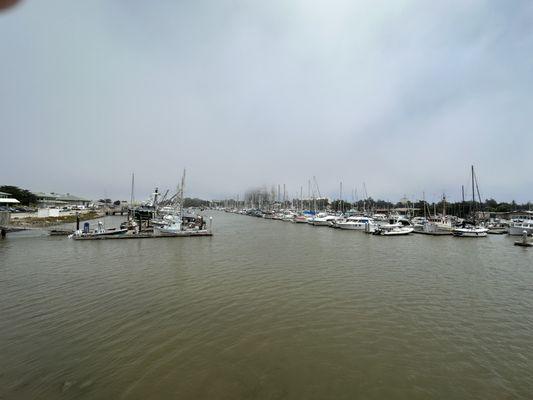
523 244
59 232
146 235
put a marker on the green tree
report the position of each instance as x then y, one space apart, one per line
24 196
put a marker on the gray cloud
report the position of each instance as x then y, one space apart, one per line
401 95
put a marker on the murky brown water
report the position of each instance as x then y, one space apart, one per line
266 310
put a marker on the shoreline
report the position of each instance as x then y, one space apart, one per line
34 222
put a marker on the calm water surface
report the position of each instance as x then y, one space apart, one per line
266 310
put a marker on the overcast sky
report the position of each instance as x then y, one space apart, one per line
401 95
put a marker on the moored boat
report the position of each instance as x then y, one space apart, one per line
396 231
100 231
518 228
470 231
355 223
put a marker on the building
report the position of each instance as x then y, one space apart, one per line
59 200
7 200
521 215
5 203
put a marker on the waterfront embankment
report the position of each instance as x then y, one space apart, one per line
36 222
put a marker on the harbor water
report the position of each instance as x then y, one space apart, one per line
266 310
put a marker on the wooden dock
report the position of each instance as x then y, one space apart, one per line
147 235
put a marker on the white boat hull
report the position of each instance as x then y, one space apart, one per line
519 230
397 232
351 226
470 232
321 223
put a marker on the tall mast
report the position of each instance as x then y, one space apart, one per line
424 201
463 203
132 188
340 198
472 208
182 195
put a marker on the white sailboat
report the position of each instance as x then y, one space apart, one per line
323 219
471 229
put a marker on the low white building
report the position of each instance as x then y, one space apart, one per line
6 200
60 200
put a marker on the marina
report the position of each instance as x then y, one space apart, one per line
341 190
261 303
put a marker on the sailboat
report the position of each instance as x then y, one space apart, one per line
471 229
436 225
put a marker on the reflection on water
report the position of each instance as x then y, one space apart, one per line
266 309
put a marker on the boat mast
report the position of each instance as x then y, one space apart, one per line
424 201
340 198
182 191
132 188
473 210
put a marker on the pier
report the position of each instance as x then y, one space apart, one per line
146 235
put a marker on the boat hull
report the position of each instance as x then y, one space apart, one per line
519 231
397 232
351 227
473 233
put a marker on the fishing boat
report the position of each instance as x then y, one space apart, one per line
100 231
171 223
